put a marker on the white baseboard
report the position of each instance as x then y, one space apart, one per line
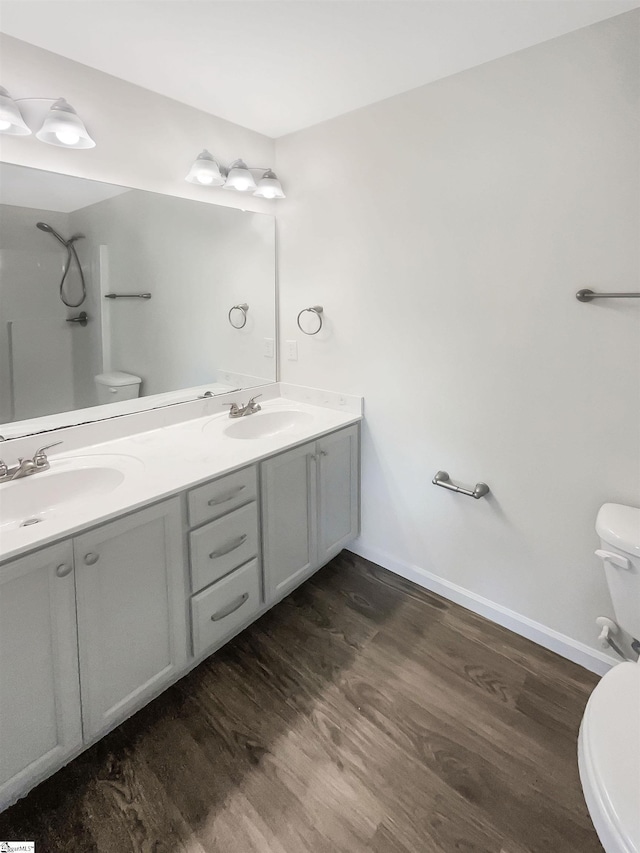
591 659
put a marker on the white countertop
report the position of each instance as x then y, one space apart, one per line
162 462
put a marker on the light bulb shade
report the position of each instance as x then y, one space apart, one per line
240 178
269 186
11 121
63 126
205 171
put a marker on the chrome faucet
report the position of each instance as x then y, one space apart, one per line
236 411
27 467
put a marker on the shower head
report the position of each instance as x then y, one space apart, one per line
44 227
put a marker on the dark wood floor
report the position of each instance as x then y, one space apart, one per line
361 714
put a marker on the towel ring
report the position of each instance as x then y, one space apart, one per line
242 307
315 309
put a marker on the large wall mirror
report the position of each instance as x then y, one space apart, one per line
115 300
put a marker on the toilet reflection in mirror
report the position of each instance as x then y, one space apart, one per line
65 348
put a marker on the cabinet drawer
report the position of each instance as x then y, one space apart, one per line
223 545
222 608
219 497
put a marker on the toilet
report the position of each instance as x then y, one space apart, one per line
609 741
116 386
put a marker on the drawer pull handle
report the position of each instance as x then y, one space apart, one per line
226 496
63 570
91 559
229 547
231 608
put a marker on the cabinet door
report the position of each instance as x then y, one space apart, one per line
288 519
338 491
130 584
40 723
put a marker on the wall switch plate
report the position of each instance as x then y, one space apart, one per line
268 347
292 350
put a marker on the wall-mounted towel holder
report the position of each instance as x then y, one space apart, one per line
243 308
314 309
127 296
443 479
587 295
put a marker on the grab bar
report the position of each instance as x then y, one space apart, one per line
587 295
443 479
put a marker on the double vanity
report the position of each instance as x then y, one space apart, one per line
147 544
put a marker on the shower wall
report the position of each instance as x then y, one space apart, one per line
39 350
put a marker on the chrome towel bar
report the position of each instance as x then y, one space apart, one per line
127 296
443 479
587 295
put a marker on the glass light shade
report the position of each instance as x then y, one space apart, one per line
11 120
205 171
240 178
63 126
269 186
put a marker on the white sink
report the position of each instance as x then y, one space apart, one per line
267 424
67 484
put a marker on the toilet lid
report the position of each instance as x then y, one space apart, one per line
117 379
611 742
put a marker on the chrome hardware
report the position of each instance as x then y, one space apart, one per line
206 395
314 309
314 457
27 467
227 611
586 295
324 453
243 308
91 559
40 457
127 296
240 411
63 570
443 479
226 496
82 319
227 549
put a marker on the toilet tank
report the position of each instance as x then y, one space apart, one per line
618 527
117 385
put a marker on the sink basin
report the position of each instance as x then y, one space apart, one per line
68 484
267 424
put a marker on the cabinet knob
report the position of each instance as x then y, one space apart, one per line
63 570
90 559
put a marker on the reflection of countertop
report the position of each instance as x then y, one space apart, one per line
176 457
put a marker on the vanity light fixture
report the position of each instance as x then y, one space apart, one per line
60 126
269 186
63 126
240 178
11 120
206 171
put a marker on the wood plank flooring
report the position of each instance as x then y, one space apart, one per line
361 714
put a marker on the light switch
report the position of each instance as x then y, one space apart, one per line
292 350
268 347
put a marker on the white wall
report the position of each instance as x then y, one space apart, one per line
446 232
144 140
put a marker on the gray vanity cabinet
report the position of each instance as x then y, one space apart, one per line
40 726
130 581
310 501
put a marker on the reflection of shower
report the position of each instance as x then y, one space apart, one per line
71 256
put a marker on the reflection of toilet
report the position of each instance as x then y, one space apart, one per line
609 743
115 386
